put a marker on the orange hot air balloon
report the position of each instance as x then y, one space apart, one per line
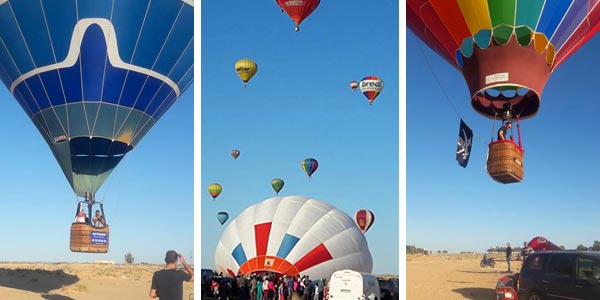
298 10
364 219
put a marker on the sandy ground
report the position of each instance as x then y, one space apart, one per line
454 276
68 281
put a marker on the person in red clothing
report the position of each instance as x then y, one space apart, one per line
214 288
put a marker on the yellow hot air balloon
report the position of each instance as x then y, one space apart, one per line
246 69
214 189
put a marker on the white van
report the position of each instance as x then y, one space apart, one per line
352 285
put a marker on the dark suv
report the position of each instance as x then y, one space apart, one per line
560 275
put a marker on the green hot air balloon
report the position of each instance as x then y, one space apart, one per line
277 185
215 190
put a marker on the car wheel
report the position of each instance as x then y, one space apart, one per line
534 296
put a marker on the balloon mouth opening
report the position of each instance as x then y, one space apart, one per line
268 264
492 102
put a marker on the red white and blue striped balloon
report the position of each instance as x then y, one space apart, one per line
371 87
292 235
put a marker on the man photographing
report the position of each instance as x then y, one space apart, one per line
167 284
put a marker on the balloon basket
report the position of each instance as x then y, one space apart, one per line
89 239
505 162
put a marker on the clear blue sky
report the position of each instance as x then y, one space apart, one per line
148 199
300 105
458 209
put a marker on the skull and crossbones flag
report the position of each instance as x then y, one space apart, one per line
465 139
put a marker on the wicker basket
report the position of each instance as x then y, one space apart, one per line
82 238
505 162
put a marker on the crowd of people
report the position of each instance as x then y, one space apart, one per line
265 287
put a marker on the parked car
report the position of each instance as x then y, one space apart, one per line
550 275
389 288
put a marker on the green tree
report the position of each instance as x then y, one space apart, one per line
596 246
129 258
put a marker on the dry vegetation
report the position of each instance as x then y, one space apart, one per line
39 281
453 276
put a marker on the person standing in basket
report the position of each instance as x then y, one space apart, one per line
503 131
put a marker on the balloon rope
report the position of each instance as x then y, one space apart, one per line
438 81
493 127
444 91
519 133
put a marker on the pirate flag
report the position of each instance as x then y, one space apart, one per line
465 139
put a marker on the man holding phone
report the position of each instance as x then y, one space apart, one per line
167 284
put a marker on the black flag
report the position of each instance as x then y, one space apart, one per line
465 139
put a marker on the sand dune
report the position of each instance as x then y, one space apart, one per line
453 276
68 281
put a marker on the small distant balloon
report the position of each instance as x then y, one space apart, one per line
364 219
215 190
246 69
277 184
235 153
222 217
371 86
353 85
309 166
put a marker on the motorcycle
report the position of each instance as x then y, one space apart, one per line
485 262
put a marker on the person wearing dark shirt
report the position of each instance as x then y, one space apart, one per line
503 131
167 284
508 254
526 250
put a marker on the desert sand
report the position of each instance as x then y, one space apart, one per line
454 276
70 281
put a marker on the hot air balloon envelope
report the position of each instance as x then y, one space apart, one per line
353 85
95 76
222 217
214 189
277 184
292 235
371 86
298 10
246 69
364 219
309 166
505 49
539 243
235 153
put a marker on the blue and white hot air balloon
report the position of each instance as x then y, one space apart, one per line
95 76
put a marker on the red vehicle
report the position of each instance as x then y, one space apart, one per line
507 287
